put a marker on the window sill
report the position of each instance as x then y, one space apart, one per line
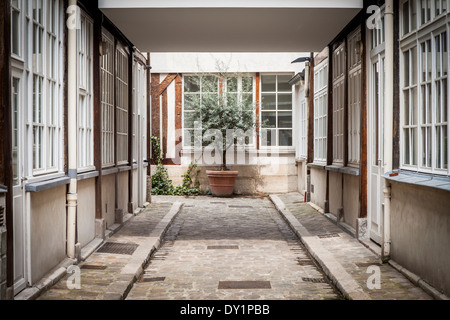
87 175
3 189
345 170
419 179
123 168
109 171
46 185
316 165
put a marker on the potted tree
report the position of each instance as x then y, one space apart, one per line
224 117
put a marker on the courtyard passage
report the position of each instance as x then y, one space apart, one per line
241 248
238 248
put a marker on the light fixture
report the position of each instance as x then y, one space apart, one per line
302 59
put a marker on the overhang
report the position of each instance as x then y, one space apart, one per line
231 25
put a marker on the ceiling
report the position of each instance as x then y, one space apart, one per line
238 26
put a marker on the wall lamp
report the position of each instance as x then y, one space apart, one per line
302 59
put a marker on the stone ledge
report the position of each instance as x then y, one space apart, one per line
46 185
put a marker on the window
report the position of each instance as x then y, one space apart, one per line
303 127
16 27
196 89
107 99
409 14
339 75
320 111
276 111
45 122
425 101
85 102
122 105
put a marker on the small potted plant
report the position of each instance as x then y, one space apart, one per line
220 115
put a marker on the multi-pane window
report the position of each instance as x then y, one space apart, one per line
409 16
410 106
107 99
339 75
122 105
46 96
16 27
85 102
196 90
276 111
320 111
354 97
425 101
303 126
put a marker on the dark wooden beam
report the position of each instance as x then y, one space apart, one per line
396 109
363 161
130 129
178 118
164 127
6 134
97 114
258 108
155 110
149 119
310 156
345 138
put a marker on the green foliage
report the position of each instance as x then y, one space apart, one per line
162 185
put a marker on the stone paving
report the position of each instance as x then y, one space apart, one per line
101 270
352 255
245 242
239 239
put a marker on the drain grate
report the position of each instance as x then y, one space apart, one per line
241 207
223 247
157 279
305 262
329 235
314 280
368 264
244 285
93 267
118 248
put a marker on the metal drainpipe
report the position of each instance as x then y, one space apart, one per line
307 97
72 196
388 120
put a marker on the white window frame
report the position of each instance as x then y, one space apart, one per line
428 124
339 76
303 127
85 94
277 110
122 104
107 81
354 98
320 112
19 31
47 118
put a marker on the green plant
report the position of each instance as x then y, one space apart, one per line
162 185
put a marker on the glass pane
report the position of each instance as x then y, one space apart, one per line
188 138
15 130
269 101
15 20
269 119
247 84
438 147
232 99
283 84
285 120
268 138
210 84
191 101
406 68
285 101
406 144
285 138
232 85
268 83
406 17
191 84
247 101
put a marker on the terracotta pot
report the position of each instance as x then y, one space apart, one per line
222 182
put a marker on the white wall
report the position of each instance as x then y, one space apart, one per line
234 62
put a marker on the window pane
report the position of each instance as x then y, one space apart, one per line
283 84
285 138
232 85
269 101
285 101
268 138
285 119
210 84
15 21
191 84
268 83
247 84
190 118
269 119
191 101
